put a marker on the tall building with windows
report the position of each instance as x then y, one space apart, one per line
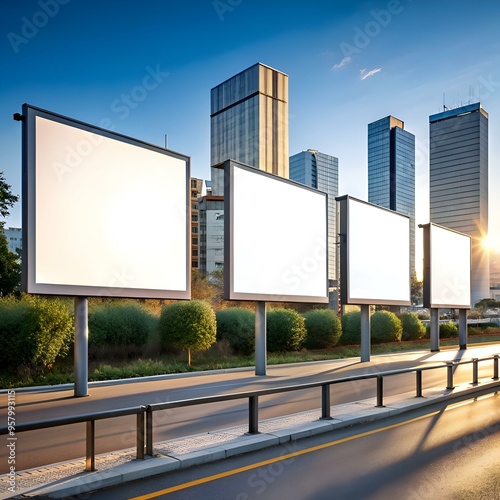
249 122
458 182
391 171
321 171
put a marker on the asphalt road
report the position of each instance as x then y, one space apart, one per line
445 452
36 448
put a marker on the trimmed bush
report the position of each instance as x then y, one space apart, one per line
385 327
323 329
351 328
286 330
188 326
447 330
120 325
34 332
237 327
413 328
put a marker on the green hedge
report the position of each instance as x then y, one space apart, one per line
187 325
237 326
351 328
447 330
34 332
286 330
120 325
385 327
413 328
323 329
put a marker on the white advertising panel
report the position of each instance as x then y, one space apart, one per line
375 254
103 214
275 238
447 268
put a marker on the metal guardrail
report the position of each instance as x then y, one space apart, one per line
144 413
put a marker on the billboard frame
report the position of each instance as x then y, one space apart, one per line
345 257
29 281
229 257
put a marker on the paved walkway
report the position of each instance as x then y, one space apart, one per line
68 478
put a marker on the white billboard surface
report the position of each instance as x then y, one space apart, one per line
375 254
105 214
276 238
450 268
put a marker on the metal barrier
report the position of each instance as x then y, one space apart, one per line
144 413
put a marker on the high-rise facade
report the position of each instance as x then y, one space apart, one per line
321 171
458 181
391 171
249 122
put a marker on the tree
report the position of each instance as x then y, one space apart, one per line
416 289
7 199
188 325
10 268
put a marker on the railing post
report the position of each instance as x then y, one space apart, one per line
325 402
418 373
253 415
149 431
495 367
450 376
140 434
90 447
475 379
380 391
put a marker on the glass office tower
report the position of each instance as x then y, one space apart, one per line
321 171
391 171
458 181
249 122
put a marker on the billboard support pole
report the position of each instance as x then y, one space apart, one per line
260 338
462 328
434 329
365 332
81 346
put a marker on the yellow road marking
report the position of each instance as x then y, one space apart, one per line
221 475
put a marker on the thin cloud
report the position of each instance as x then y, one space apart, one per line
341 64
364 75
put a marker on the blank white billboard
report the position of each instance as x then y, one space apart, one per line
447 268
103 214
275 238
374 253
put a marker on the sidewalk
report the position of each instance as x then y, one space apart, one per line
68 478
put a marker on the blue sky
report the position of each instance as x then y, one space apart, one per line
349 63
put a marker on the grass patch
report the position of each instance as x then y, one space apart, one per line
217 358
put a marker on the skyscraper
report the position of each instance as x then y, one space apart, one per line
249 122
391 171
321 171
459 182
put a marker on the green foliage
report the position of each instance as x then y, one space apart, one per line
413 328
7 199
385 327
351 328
323 329
447 330
34 332
237 326
286 330
120 325
187 325
10 268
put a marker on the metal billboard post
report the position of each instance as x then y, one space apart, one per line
434 329
260 338
365 332
462 328
81 346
